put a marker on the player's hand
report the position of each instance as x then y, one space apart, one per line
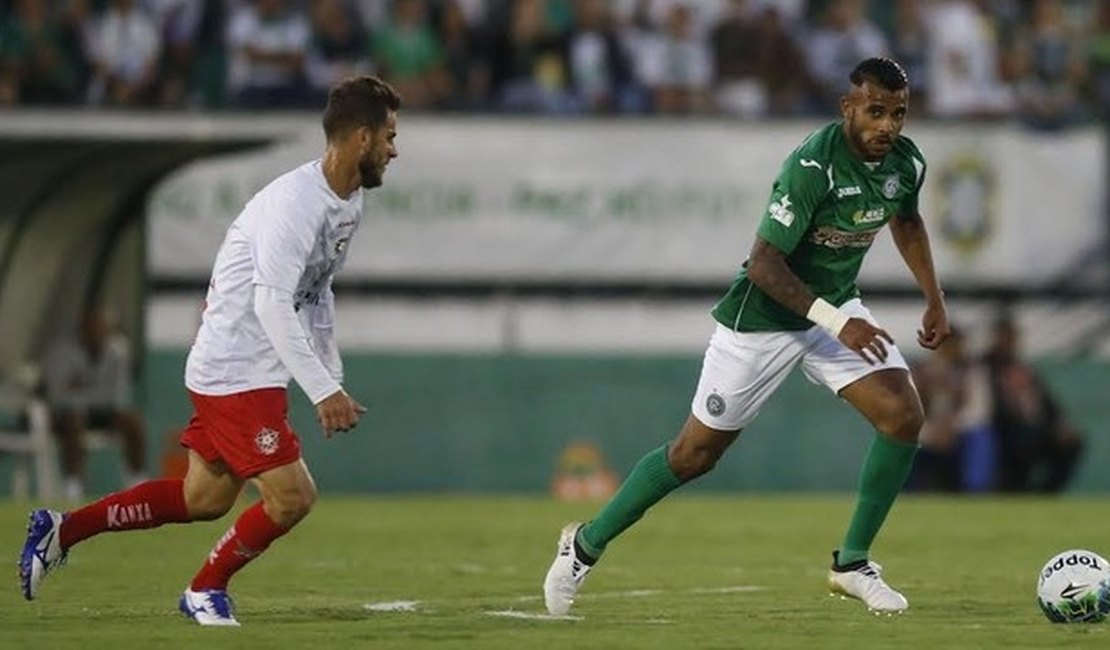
934 326
866 340
338 412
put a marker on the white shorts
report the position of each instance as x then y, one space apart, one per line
741 370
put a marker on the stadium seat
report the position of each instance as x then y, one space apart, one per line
30 439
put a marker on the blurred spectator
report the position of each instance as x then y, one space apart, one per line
909 46
844 38
178 22
38 57
529 62
1099 58
704 15
339 49
409 56
600 69
374 14
1045 61
126 51
268 45
1049 62
677 65
88 385
1038 447
465 57
963 62
957 444
735 54
760 68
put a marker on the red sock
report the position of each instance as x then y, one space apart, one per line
251 534
147 505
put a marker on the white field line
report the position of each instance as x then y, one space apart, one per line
392 606
644 593
414 605
531 616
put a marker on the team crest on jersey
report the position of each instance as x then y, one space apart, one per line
890 186
715 404
267 441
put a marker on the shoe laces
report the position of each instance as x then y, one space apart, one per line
59 561
50 565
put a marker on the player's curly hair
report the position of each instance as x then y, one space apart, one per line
880 71
359 101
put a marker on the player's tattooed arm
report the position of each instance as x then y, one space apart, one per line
768 270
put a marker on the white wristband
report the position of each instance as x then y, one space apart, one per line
829 318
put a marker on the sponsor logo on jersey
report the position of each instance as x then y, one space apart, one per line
267 441
780 211
869 216
890 186
831 237
715 404
806 162
852 190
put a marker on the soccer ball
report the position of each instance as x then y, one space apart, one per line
1074 587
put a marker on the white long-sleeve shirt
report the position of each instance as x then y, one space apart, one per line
270 310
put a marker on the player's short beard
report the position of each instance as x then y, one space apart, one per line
856 137
369 173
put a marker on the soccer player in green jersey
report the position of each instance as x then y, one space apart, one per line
796 301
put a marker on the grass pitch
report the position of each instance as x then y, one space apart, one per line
465 572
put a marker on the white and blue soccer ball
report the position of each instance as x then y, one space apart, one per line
1074 587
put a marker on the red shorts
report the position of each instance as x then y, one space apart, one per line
248 431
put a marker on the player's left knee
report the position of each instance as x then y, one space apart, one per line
903 422
291 506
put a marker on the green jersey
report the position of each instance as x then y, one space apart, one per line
826 207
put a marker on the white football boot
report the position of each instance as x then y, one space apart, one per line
566 575
865 582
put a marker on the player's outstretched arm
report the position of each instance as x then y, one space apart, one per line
912 241
767 268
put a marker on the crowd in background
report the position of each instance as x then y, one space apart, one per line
992 423
1046 62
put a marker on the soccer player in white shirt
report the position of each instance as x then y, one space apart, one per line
268 318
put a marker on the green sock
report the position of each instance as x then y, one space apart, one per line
884 471
651 480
